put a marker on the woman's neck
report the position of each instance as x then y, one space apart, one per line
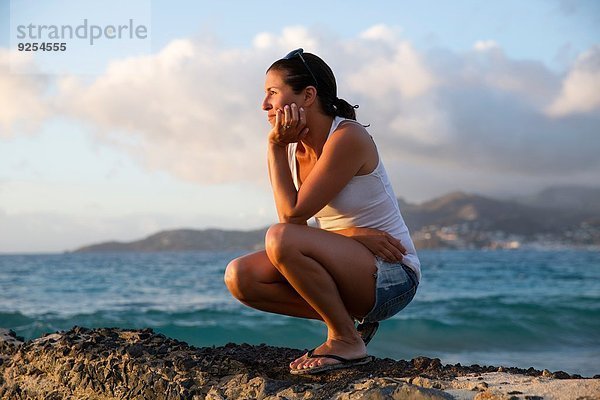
319 126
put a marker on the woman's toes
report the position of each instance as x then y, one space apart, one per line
299 362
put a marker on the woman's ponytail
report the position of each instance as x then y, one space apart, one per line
344 109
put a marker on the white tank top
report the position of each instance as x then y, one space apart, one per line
367 201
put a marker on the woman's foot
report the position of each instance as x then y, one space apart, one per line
348 348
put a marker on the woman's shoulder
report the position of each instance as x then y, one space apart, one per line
351 124
351 141
350 131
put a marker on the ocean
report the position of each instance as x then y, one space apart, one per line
523 308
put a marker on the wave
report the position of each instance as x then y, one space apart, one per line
495 341
453 325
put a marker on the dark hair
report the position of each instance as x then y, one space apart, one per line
298 76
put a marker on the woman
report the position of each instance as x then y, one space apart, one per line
359 263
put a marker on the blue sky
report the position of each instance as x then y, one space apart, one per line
487 97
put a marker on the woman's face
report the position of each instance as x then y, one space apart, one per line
278 94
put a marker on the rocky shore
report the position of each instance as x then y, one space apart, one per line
116 363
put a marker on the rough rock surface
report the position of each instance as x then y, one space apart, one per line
113 363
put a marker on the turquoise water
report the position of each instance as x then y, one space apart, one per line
520 308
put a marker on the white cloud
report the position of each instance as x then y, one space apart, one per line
485 45
193 109
581 88
421 122
530 80
381 32
22 96
495 112
290 38
388 68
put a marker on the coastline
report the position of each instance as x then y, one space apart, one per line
112 363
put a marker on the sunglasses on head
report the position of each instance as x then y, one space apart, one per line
298 53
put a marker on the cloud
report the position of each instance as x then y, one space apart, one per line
381 32
380 64
193 109
290 38
494 119
485 45
22 96
581 88
479 110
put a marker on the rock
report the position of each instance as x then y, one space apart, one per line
561 375
9 342
427 383
479 387
134 364
546 373
424 363
405 392
494 395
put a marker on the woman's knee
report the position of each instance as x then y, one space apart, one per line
236 278
279 241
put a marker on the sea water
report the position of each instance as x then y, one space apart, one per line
518 308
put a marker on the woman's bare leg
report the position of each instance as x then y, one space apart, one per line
314 270
254 281
334 275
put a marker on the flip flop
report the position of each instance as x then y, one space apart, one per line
343 363
367 331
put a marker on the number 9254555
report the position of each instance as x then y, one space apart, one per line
44 46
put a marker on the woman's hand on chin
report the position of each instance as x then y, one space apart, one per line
289 127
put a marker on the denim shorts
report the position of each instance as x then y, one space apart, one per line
395 288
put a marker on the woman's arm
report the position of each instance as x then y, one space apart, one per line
342 157
282 183
284 190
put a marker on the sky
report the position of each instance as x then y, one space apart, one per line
124 138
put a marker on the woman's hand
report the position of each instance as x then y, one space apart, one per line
290 125
380 243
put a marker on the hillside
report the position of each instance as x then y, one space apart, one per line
455 220
186 240
460 220
580 198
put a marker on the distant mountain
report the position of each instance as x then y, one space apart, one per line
566 216
580 198
186 240
460 220
483 213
